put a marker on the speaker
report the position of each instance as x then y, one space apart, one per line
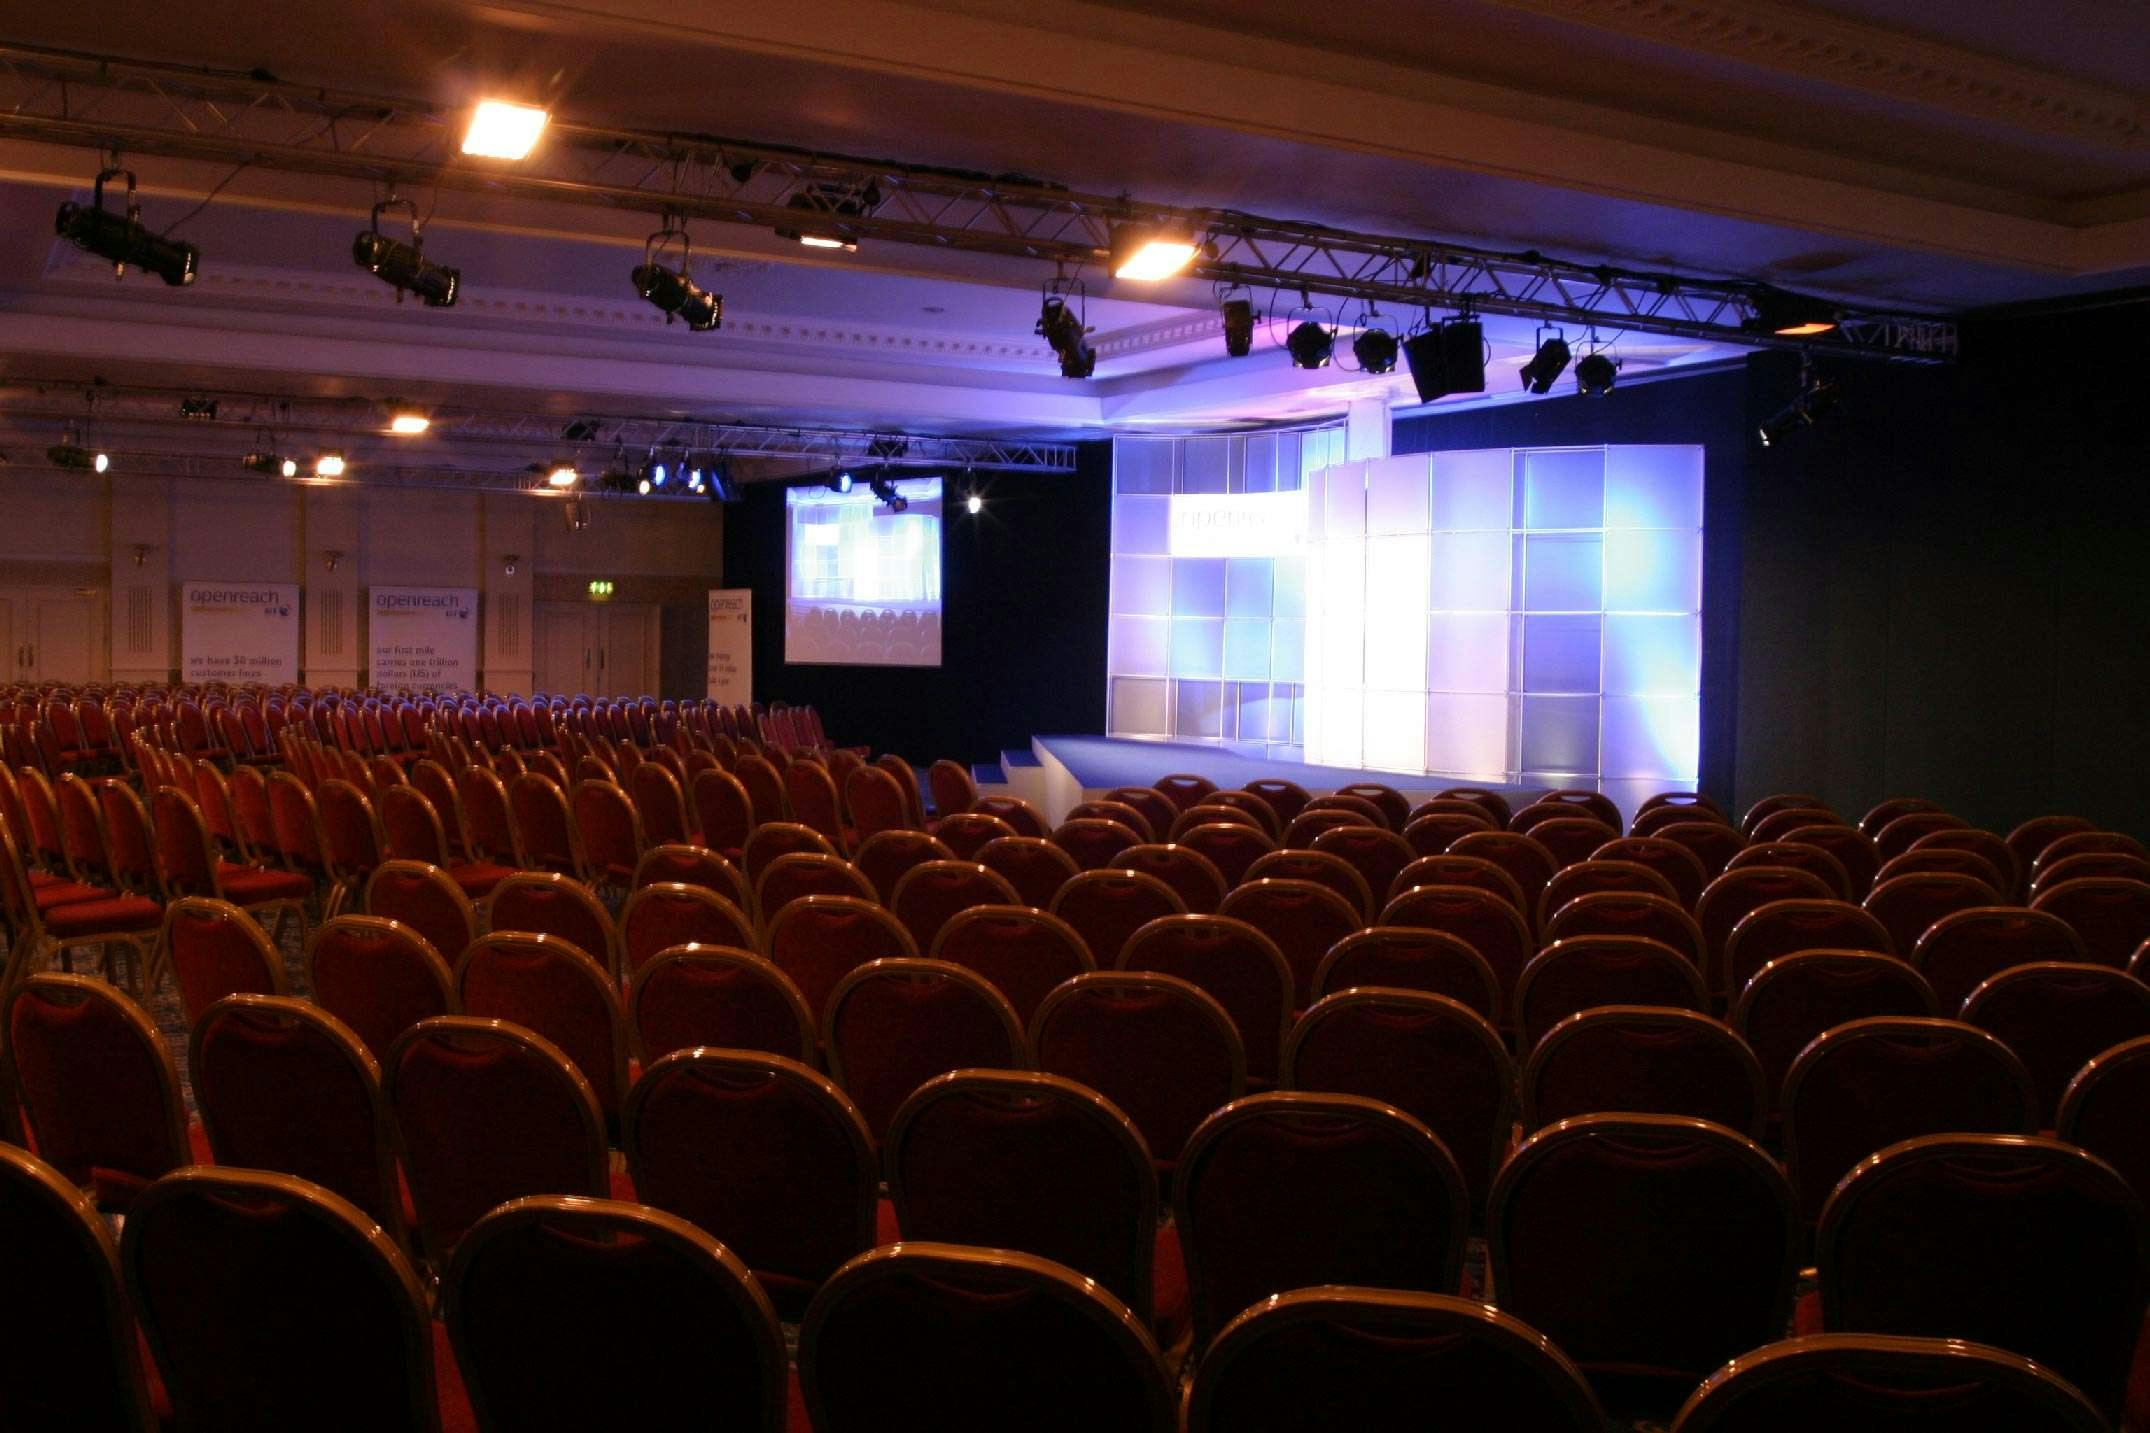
1448 359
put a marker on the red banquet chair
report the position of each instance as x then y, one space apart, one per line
1220 813
1411 958
1432 832
1794 998
1303 919
1230 846
1448 870
876 802
1582 972
1643 1059
1492 803
2034 1214
2052 872
1768 806
1014 1159
546 832
1678 865
892 1025
1915 1385
1907 905
1591 874
1393 1211
1161 1050
1366 810
819 940
1235 963
1798 856
1321 868
69 1356
1737 894
1284 798
552 989
482 1112
1351 1357
1649 1248
1572 838
806 873
1265 815
2029 840
548 1299
1022 952
1965 947
1183 789
1374 852
1107 907
1945 858
1629 913
723 812
906 779
1868 1084
1881 813
929 895
1036 868
283 1085
608 834
885 856
1021 816
694 995
379 977
967 832
976 1341
2057 1016
1894 837
187 865
661 805
2102 1110
214 949
1517 854
2112 915
692 866
1092 842
761 1153
1149 803
1190 873
1784 928
263 1297
661 916
1126 815
1491 926
815 803
1853 851
1436 1060
1323 813
1690 801
425 898
952 789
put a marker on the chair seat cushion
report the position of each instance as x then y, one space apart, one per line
476 879
1171 1306
56 892
115 914
245 885
456 1414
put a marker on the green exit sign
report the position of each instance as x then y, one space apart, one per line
600 588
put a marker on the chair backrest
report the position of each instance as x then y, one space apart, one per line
1359 806
1784 928
378 976
1449 870
1964 948
1128 816
1739 892
1322 814
545 827
1290 1190
215 949
928 895
1780 801
548 1299
1305 921
427 899
1870 1083
1162 1050
1942 1236
1674 862
1492 803
98 1093
1517 854
1192 875
2102 1110
1352 1357
693 866
884 856
976 1341
413 827
2110 913
1643 1059
1693 801
1286 798
723 810
892 1025
1582 972
660 803
967 832
2052 872
906 779
1881 813
1014 1159
815 803
608 832
1431 832
1375 852
1486 922
1628 913
356 842
482 1112
774 839
1435 1059
807 873
1796 997
262 1295
1020 951
817 940
1236 963
1920 857
1795 855
82 829
284 1085
1906 905
1649 1248
1157 812
1853 851
551 903
1592 873
1323 869
1894 837
68 1355
876 802
553 989
1411 958
1570 838
1036 868
129 841
1230 846
1021 816
764 786
760 1152
2056 1016
953 791
1917 1385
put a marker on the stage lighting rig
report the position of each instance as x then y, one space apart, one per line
1788 315
1235 309
822 210
1375 348
405 266
1149 252
673 291
1062 326
1596 372
1816 400
1312 337
1548 363
884 488
120 237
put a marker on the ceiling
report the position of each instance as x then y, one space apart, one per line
1883 152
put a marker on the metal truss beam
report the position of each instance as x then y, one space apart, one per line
134 108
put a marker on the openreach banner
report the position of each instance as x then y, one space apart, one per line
731 646
239 632
424 638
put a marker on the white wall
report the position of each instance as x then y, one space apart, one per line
140 538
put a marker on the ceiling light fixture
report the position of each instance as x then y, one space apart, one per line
1375 348
1235 309
1064 328
884 488
673 291
823 210
840 483
120 237
1312 338
1150 252
271 464
502 129
562 475
328 465
408 422
1788 315
974 505
404 266
1596 371
1547 364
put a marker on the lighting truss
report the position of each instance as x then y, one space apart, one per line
101 103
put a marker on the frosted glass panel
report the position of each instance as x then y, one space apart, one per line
1653 487
1202 465
1247 586
1562 573
1396 495
1467 735
1395 730
1141 524
1197 647
1287 577
1470 571
1334 732
1140 708
1653 656
1200 709
1342 510
1560 654
1142 584
1287 661
1264 716
1198 587
1563 488
1560 733
1143 465
1258 470
1657 737
1246 651
1467 652
1471 490
1396 584
1138 646
1653 571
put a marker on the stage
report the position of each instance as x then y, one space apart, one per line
1071 769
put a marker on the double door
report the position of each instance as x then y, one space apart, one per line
600 648
51 634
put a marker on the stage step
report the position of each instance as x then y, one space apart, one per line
1013 758
988 773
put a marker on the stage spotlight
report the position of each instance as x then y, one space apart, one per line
1550 361
74 455
823 208
1238 317
121 239
722 487
1595 372
328 465
884 488
1310 344
403 266
408 422
656 472
1788 315
674 291
1817 399
271 464
1149 252
1061 327
1448 358
1375 348
974 505
501 129
562 475
840 483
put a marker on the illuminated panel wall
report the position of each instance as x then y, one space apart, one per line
1527 615
1209 645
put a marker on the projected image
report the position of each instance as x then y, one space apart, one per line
862 580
